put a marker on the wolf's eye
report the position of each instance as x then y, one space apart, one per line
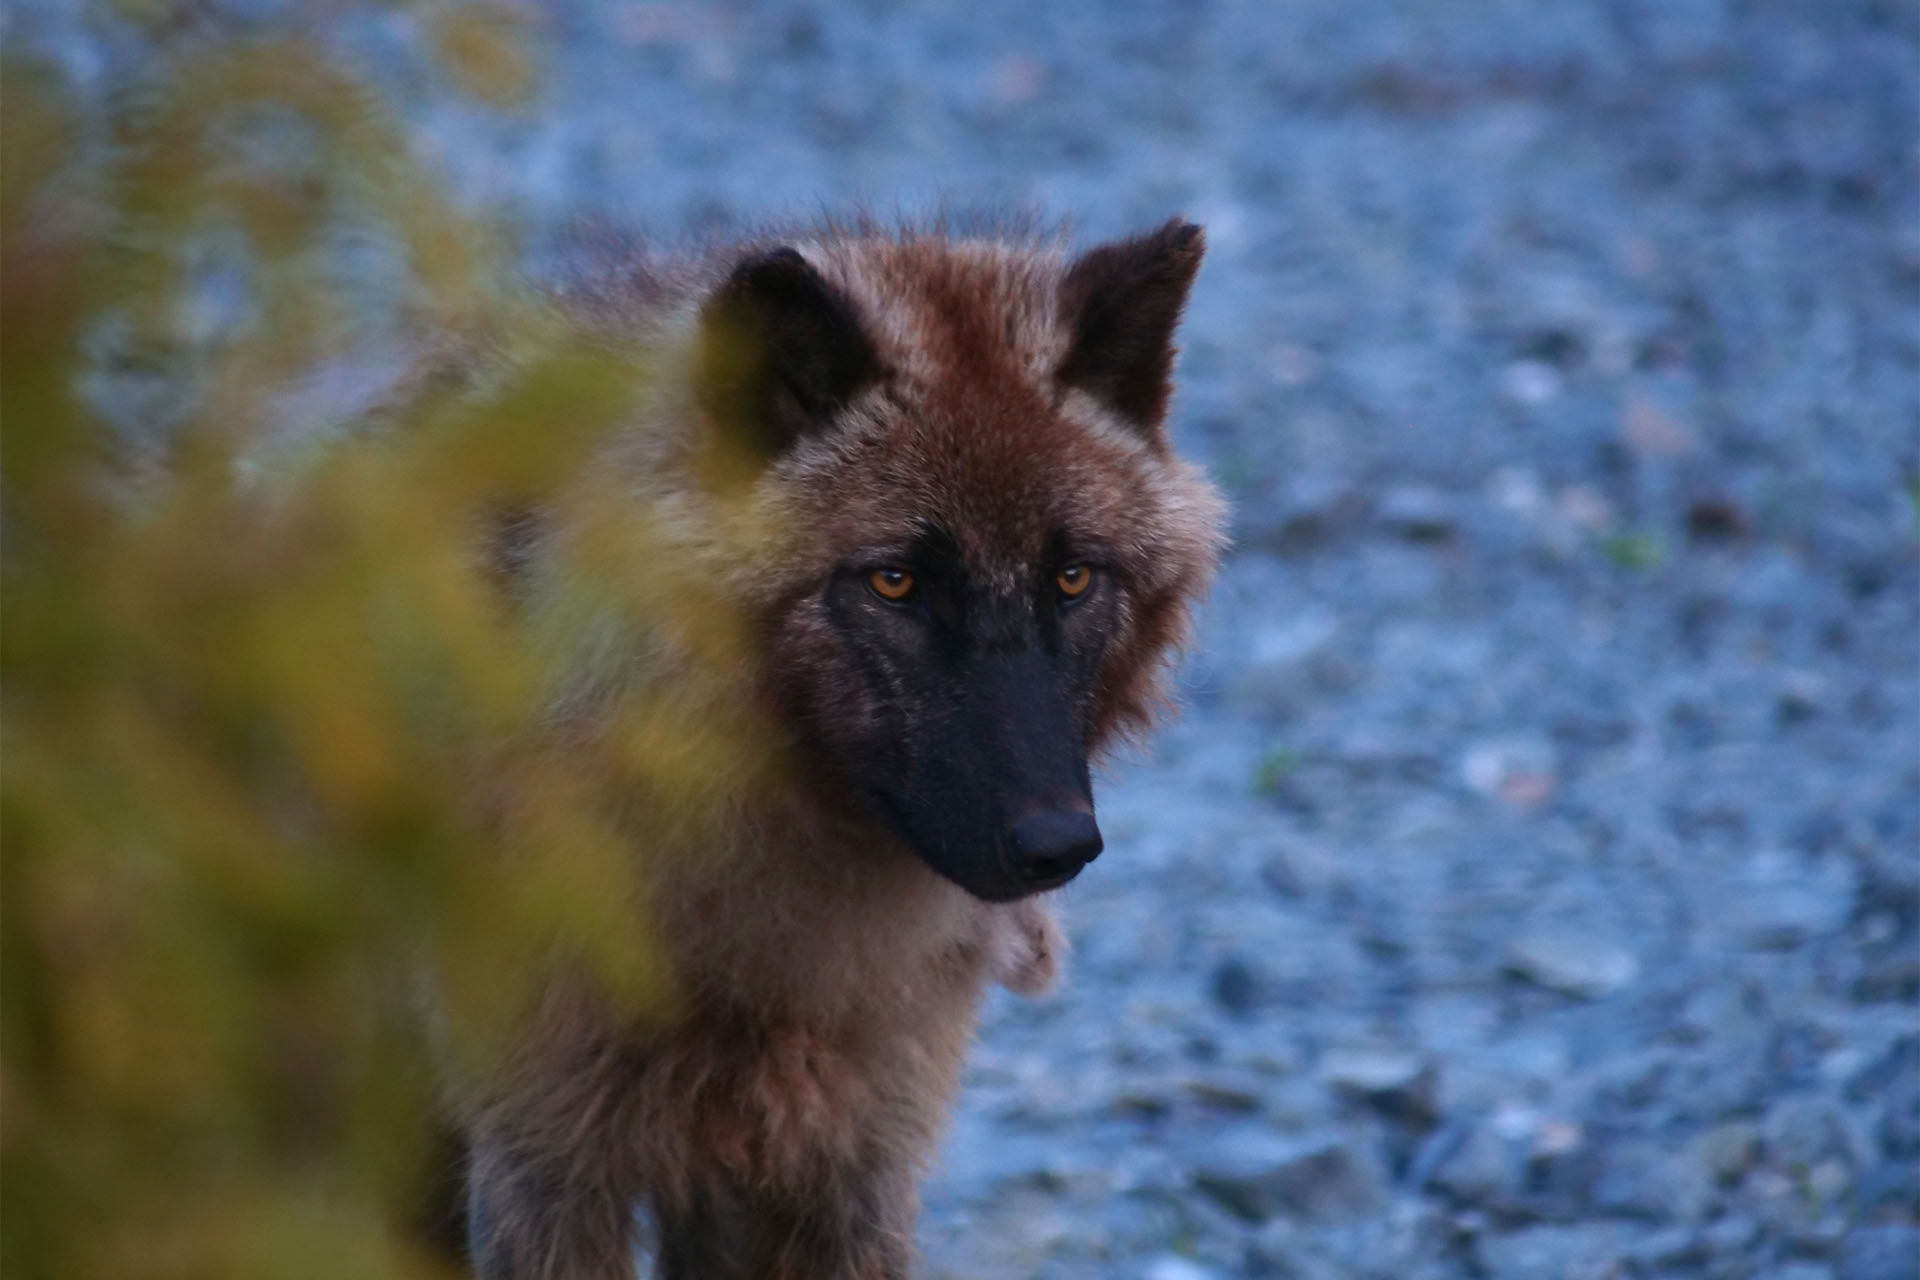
1074 580
891 584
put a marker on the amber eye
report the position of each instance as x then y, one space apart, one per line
1074 580
891 584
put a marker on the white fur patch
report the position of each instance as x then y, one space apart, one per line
1029 949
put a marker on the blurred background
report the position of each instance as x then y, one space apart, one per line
1531 886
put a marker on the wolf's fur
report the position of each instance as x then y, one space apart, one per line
825 978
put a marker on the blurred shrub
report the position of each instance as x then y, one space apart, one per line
280 826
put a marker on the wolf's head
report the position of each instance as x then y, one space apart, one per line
990 547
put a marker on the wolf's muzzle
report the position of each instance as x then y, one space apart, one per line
1049 849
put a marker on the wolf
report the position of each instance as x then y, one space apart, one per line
929 476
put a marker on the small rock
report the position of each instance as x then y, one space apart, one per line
1641 1180
1892 973
1888 900
1014 80
1259 1177
1802 694
1585 508
1729 1236
1399 1085
1554 1137
1732 1015
1578 1251
1900 1062
1479 1169
1652 432
1530 382
1308 512
1572 963
1666 1248
802 34
1305 870
1716 518
1891 887
1417 514
1564 1165
1237 986
1829 1182
1288 659
1517 490
1276 1253
1518 770
1173 1267
1727 1151
1799 1132
1279 874
1781 902
1800 1271
1776 1197
1294 366
1900 1117
1148 1102
1889 1251
1223 1093
1370 1071
1888 1188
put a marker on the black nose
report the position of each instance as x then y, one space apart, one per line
1049 849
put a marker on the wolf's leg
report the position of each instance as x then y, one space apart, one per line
711 1239
537 1213
842 1229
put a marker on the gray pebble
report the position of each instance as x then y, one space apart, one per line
1728 1150
1417 514
1583 1251
1261 1176
1402 1086
1573 963
1647 1179
1480 1168
1885 1252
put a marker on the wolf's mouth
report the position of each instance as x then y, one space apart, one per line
1050 873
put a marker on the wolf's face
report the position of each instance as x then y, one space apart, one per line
999 548
966 702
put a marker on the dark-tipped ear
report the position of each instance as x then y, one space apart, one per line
1121 302
781 350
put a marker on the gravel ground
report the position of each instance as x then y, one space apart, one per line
1532 886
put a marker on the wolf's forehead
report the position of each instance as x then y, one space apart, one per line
1006 498
970 433
937 308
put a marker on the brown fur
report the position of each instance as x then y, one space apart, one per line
826 981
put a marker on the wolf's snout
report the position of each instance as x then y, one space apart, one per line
1049 849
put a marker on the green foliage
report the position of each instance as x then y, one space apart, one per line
1276 766
280 840
1635 551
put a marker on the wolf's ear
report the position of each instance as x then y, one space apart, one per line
780 351
1122 301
